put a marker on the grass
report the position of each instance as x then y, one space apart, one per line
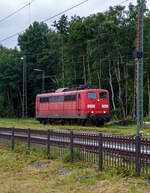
34 173
21 172
107 128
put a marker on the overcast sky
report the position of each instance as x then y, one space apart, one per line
42 9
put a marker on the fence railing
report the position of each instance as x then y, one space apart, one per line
130 153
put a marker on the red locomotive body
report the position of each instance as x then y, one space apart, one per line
83 105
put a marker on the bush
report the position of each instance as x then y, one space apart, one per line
147 118
129 118
116 114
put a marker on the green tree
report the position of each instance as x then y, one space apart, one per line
37 44
62 28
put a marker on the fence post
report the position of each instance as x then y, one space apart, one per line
29 140
100 151
12 139
71 145
48 143
138 156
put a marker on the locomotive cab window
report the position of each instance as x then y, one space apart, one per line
91 95
103 95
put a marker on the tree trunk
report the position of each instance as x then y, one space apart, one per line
10 102
89 72
75 73
111 86
100 75
63 65
117 72
126 89
84 70
20 97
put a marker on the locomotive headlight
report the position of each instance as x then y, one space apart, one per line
97 100
92 112
105 112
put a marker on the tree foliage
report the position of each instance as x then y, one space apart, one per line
96 50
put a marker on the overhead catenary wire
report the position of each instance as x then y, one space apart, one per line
56 15
76 45
122 2
64 11
15 12
29 12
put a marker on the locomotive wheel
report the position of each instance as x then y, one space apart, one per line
44 122
83 122
99 123
50 121
70 122
62 122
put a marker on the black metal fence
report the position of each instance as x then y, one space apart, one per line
129 153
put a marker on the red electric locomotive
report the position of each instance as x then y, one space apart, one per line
82 105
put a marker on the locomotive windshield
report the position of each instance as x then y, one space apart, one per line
91 95
103 95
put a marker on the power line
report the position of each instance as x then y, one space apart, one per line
62 12
13 35
123 2
18 10
79 44
29 13
89 40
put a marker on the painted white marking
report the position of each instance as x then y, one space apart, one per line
104 106
91 106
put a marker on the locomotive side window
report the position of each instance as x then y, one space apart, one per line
91 95
103 95
44 100
58 98
70 98
52 99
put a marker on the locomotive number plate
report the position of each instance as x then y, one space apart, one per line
104 106
91 106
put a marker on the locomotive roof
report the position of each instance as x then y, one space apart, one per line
69 92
